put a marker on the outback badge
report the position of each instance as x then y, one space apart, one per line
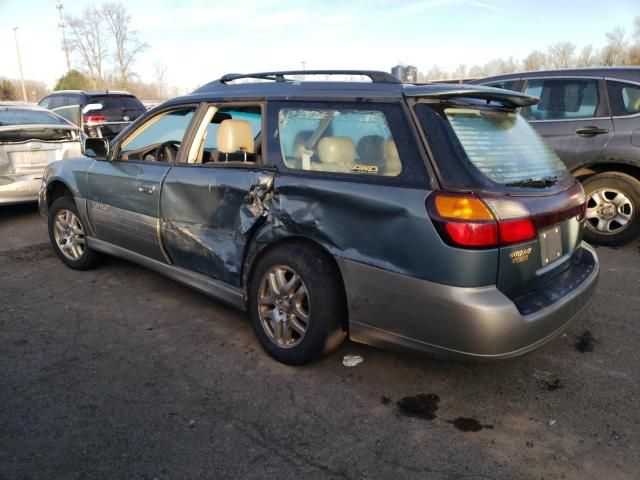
522 255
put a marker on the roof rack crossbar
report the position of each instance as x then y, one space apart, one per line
375 76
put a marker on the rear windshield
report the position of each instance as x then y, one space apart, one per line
503 146
24 116
483 147
118 102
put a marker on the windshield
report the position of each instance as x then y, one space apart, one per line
25 116
504 147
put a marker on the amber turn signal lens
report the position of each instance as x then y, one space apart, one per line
462 208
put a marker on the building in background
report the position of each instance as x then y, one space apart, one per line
405 73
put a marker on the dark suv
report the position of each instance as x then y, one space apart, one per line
429 217
591 118
104 114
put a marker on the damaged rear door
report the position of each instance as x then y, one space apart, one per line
211 204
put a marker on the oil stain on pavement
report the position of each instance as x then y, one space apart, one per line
465 424
585 342
420 406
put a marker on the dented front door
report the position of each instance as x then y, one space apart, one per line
209 212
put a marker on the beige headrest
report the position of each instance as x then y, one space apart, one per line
393 166
234 135
337 151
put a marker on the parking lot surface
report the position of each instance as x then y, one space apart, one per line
121 373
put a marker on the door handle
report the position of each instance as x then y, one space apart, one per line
591 131
148 189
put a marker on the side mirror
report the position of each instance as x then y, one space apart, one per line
97 148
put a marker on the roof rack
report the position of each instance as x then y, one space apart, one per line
375 76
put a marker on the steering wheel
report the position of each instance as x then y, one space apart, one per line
167 151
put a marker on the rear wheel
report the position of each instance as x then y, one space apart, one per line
613 200
297 304
67 235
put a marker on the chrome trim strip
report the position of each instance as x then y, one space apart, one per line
216 289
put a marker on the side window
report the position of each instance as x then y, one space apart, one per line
55 101
338 140
504 84
159 138
562 99
624 98
44 103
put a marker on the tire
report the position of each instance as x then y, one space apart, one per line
278 314
612 199
66 228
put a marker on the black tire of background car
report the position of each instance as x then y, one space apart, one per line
90 258
631 188
327 303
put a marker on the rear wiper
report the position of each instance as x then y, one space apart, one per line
534 182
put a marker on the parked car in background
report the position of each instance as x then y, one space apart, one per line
104 114
429 217
591 118
30 139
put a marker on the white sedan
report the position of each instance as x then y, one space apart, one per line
31 138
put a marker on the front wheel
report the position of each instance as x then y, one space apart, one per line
297 304
612 217
68 237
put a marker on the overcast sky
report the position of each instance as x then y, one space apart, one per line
200 40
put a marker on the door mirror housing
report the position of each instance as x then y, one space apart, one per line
97 148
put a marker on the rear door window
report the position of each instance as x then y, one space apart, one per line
338 140
624 98
562 99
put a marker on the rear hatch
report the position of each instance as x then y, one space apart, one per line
116 113
521 198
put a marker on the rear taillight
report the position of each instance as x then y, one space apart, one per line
466 220
94 118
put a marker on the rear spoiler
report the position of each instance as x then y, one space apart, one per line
449 91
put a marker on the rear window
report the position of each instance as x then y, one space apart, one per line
24 116
503 146
118 102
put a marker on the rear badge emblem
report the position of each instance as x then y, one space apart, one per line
35 146
522 255
125 118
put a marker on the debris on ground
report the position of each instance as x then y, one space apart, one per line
352 360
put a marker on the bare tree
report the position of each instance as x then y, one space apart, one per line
586 58
536 60
160 71
560 55
614 53
126 45
89 42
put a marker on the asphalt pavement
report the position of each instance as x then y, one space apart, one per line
121 373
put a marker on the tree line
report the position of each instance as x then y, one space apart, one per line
620 50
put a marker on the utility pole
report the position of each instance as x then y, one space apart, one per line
24 90
62 26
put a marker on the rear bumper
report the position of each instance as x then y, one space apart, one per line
21 189
387 309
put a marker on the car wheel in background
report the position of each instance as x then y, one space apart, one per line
68 236
297 304
613 200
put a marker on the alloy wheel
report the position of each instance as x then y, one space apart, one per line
609 211
283 306
69 235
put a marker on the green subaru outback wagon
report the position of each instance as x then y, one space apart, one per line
430 217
